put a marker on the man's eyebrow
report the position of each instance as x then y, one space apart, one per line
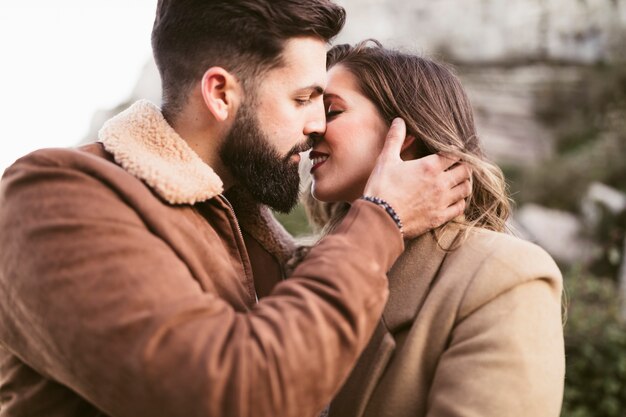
312 88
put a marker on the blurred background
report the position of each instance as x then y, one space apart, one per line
547 79
60 61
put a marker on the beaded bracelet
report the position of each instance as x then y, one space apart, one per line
388 209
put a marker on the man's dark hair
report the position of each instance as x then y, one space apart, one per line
245 37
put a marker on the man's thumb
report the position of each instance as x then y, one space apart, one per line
395 139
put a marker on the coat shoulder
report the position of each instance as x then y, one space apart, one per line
494 263
83 158
54 177
488 249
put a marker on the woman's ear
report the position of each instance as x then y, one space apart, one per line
409 150
221 92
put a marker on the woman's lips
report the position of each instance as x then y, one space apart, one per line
318 159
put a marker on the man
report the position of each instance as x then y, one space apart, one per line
128 288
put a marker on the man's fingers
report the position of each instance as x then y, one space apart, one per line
447 160
460 192
395 139
438 162
453 211
458 174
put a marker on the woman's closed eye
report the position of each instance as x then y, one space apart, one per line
332 114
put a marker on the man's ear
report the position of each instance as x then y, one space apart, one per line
221 92
408 150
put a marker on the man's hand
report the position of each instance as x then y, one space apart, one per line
425 192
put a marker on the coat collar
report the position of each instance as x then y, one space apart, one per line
146 146
413 274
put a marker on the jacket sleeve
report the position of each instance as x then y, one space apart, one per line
506 354
91 298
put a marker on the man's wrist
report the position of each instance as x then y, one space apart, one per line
392 213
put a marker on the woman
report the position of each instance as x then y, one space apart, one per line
473 322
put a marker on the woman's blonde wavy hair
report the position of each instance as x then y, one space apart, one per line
432 102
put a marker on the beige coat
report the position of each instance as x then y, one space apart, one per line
475 332
128 287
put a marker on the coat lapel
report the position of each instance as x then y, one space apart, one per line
413 274
354 396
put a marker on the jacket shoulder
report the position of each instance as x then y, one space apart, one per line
53 174
495 263
92 152
88 164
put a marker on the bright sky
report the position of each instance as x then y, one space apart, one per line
62 60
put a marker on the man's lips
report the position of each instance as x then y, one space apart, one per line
317 158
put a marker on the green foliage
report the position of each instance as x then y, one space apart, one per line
610 233
595 347
295 222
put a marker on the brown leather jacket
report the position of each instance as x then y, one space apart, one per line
126 287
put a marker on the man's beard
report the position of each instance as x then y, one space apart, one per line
257 166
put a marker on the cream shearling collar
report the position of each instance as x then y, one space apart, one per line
147 147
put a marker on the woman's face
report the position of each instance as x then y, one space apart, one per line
344 158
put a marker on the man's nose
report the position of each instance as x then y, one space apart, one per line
316 124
